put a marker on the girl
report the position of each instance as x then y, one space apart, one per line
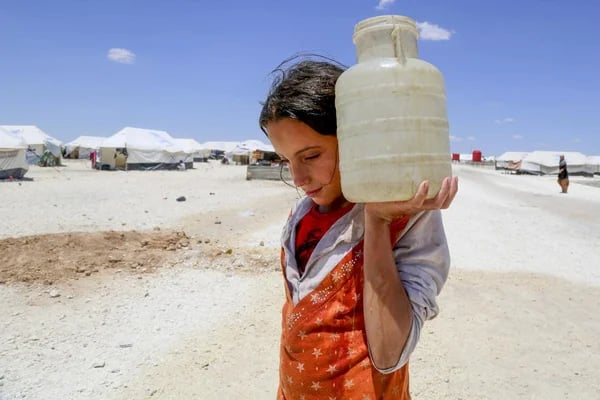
360 279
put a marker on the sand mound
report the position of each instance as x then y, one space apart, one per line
55 257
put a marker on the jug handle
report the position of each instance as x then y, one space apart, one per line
398 50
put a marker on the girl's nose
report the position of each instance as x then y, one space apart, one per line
300 175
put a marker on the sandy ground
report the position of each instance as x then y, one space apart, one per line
181 300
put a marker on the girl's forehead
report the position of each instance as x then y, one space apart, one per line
292 135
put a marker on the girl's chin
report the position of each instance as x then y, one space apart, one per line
321 202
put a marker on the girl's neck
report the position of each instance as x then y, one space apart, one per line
338 203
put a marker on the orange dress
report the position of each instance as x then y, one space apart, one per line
324 353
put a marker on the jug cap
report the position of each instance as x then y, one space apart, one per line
386 22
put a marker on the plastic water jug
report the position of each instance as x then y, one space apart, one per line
392 124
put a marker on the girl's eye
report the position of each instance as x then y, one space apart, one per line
312 157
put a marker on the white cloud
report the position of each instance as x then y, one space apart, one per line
122 56
384 3
517 137
455 139
507 120
429 31
471 138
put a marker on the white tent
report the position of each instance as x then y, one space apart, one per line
37 141
13 161
200 153
510 159
137 148
84 145
244 151
546 162
220 146
593 164
219 149
254 145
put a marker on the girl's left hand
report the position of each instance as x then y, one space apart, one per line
388 211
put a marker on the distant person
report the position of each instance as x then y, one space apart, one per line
121 159
361 279
181 165
93 158
563 174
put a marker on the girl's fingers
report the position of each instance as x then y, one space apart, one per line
443 193
444 197
420 197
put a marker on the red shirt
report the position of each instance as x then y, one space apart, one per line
311 229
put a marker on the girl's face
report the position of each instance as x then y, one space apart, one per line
312 158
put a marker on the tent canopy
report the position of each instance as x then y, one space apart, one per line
593 164
258 145
197 149
221 146
510 160
512 156
248 146
11 141
189 143
143 139
35 137
31 134
88 142
84 145
593 160
546 162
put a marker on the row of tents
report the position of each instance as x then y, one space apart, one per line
137 148
546 162
129 148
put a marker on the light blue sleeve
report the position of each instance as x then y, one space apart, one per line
423 260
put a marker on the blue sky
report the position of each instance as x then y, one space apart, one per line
520 75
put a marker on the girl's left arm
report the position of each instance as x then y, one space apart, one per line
388 310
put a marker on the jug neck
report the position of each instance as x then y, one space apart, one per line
388 36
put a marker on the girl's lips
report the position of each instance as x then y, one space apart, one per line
312 192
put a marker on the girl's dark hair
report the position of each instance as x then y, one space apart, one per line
305 91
